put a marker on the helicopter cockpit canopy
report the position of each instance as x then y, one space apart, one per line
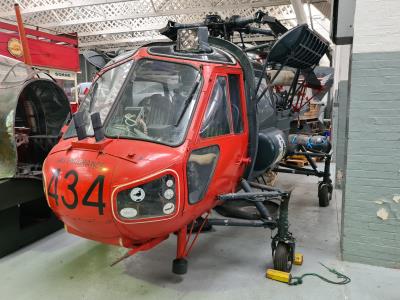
149 100
32 112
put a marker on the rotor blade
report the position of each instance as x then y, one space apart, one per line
171 29
96 59
254 30
311 79
237 21
276 26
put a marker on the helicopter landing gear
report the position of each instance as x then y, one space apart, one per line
185 245
179 266
325 186
196 224
324 193
283 257
283 243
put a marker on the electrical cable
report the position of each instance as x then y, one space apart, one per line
297 280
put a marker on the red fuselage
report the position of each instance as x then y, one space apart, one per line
84 178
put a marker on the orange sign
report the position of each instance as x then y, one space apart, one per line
15 47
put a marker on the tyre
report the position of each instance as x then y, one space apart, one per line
330 191
283 259
180 266
323 195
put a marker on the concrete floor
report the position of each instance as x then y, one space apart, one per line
228 263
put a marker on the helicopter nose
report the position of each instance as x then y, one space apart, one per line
78 188
111 195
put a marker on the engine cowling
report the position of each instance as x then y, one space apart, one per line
271 149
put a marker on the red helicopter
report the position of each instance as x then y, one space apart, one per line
170 131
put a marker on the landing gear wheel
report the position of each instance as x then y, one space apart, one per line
330 186
179 266
324 194
283 257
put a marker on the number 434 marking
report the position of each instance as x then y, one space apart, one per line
73 178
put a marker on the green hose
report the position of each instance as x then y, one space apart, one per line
299 279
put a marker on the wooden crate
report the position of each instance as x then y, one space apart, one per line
313 112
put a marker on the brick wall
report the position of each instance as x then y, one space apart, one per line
372 169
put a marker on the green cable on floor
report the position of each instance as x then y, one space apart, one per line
296 280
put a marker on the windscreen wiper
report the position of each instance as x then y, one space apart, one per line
188 100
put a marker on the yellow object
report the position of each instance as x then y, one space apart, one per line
14 46
301 157
278 275
298 259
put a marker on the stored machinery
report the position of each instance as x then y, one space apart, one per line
172 130
303 141
32 112
311 147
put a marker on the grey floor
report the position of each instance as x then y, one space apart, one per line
228 263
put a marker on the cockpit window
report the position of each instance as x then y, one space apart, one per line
102 96
156 103
216 120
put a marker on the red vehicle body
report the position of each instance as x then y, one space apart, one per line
124 163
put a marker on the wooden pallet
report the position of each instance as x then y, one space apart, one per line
297 162
299 157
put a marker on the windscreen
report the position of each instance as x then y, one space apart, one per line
156 103
102 96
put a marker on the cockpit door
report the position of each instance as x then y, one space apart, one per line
217 160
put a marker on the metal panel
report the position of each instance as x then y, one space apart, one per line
12 78
342 21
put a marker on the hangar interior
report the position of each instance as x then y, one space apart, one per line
341 183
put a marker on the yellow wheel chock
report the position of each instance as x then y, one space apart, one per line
284 276
278 275
298 259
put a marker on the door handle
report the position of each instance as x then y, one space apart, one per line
243 160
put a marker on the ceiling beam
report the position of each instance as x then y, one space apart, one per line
62 5
154 26
151 27
171 12
123 41
158 38
298 8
